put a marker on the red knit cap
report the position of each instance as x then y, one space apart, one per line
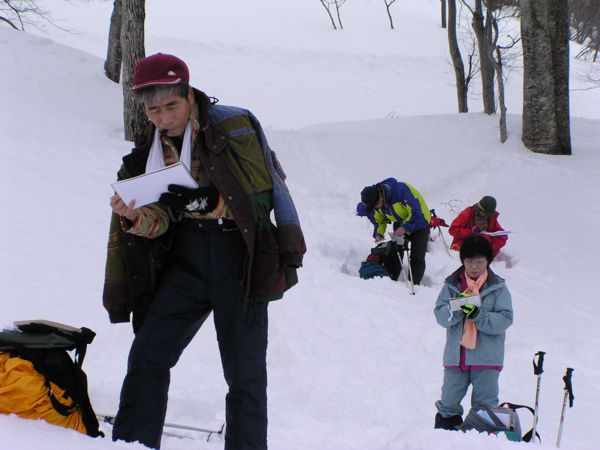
160 69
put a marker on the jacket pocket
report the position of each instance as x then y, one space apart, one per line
161 247
268 276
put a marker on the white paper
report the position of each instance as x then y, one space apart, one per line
146 188
496 233
397 239
456 303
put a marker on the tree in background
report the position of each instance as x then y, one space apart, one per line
585 30
328 4
114 55
18 13
132 45
584 16
388 5
443 12
462 80
125 49
497 56
545 38
482 26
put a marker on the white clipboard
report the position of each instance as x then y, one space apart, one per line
148 187
456 303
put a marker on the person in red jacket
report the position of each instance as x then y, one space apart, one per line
482 217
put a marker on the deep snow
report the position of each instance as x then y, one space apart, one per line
353 364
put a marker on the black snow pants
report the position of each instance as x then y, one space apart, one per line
204 275
418 248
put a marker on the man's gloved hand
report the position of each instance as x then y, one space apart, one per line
470 310
476 230
437 222
182 199
399 231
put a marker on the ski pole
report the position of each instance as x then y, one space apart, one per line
569 394
444 241
439 228
538 369
110 419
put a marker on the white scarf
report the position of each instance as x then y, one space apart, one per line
156 159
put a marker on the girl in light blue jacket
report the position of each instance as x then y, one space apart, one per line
475 333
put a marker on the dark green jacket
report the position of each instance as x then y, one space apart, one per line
233 148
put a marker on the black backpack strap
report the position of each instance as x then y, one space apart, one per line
83 400
81 396
515 406
83 339
33 356
527 436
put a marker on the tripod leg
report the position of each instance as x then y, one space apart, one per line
408 276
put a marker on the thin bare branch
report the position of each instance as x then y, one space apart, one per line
468 6
4 19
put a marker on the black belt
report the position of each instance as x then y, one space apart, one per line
208 224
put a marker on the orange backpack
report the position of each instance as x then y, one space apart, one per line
38 378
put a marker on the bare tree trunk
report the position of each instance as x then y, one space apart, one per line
112 65
501 104
337 10
132 40
497 62
483 34
459 68
545 34
498 65
443 11
326 6
388 4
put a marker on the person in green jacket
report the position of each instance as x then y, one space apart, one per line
399 203
197 251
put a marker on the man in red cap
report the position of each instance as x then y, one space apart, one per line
199 250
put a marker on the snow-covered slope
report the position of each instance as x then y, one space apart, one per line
353 364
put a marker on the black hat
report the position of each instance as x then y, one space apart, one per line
474 246
369 197
487 205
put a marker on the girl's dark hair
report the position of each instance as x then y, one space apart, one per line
474 246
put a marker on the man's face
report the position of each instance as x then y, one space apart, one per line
170 114
379 203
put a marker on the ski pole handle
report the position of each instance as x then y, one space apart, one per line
538 368
569 386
